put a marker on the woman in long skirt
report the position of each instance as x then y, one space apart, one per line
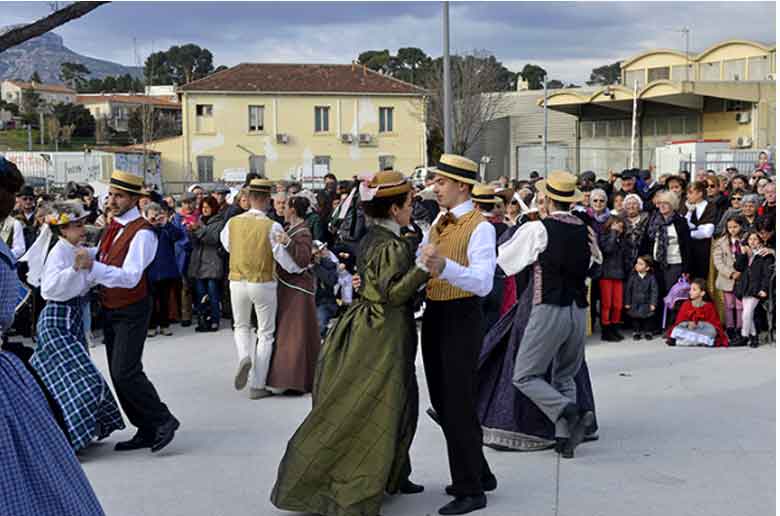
353 447
61 357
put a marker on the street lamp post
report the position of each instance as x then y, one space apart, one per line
447 87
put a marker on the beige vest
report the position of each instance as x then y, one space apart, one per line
452 242
251 256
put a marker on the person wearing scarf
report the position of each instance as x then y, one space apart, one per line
670 241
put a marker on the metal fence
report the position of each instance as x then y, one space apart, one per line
745 167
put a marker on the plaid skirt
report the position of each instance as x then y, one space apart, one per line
62 362
39 473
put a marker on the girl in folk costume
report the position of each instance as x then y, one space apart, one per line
61 358
701 219
724 256
755 263
697 322
297 331
365 397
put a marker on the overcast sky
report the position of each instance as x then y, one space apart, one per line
567 39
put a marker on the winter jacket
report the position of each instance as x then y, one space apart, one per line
182 246
756 275
616 252
326 276
164 265
723 259
639 294
206 261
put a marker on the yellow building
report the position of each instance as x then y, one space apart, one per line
295 121
727 92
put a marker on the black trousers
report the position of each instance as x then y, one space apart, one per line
451 343
125 334
161 295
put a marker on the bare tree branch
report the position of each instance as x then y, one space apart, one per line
33 30
477 98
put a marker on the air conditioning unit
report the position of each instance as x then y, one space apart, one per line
283 138
366 138
744 142
743 117
346 138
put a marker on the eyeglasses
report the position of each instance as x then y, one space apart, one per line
712 186
736 198
597 200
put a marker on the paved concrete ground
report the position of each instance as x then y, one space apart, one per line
683 432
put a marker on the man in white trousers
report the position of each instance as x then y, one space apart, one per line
256 244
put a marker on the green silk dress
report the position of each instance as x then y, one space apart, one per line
354 444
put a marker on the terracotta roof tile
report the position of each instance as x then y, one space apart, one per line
53 88
302 78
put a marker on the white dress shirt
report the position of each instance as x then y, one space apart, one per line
60 282
19 247
142 250
702 231
529 241
279 251
477 277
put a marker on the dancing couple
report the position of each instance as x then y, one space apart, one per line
353 447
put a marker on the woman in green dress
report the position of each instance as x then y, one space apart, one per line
353 447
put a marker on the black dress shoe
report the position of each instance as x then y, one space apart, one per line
185 324
139 441
489 483
433 415
409 487
165 434
464 505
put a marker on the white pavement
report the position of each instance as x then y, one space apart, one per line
683 432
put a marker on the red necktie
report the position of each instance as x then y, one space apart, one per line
108 237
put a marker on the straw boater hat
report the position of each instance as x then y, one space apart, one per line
485 194
561 186
261 186
65 212
458 168
127 182
387 183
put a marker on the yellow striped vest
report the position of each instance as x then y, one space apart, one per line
452 241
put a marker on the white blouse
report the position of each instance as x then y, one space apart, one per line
59 281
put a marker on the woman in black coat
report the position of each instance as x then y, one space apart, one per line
669 243
755 264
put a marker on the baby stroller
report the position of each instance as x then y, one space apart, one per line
674 299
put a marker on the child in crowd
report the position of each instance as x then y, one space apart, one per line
641 297
613 272
697 321
724 254
754 264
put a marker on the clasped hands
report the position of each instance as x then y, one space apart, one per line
84 260
433 261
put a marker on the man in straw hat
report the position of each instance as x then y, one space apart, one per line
126 250
559 249
460 253
256 244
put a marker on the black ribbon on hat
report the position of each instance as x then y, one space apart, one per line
562 193
466 174
123 184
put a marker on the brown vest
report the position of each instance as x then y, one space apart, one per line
452 242
115 298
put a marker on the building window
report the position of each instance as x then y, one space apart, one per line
615 128
658 74
709 71
256 117
386 162
679 73
692 124
321 119
758 68
385 120
257 165
737 106
734 69
676 126
601 128
206 169
204 119
635 75
321 166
